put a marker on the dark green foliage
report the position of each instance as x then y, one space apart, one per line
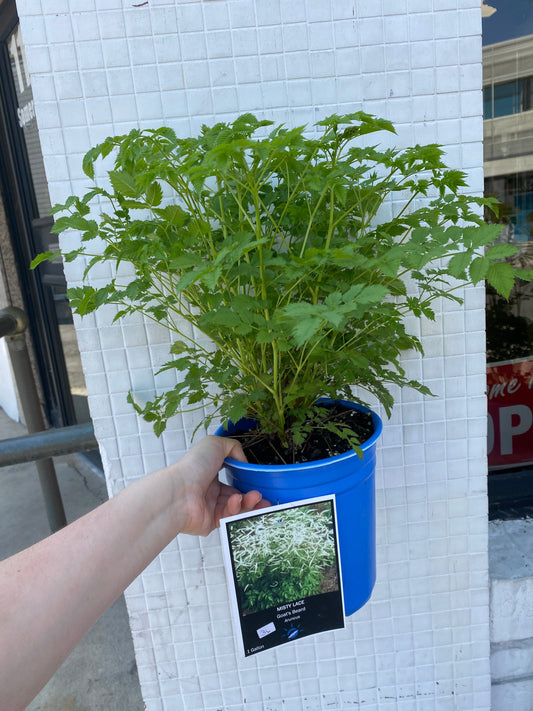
281 557
291 253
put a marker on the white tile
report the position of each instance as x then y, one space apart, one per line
421 26
123 108
85 26
120 80
346 33
142 50
164 20
370 30
193 46
396 30
222 73
63 58
190 17
137 22
116 53
219 44
33 31
33 7
111 25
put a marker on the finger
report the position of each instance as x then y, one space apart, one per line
227 506
233 504
263 504
234 449
253 501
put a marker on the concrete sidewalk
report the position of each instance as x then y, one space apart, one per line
101 674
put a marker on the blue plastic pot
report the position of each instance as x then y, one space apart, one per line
352 481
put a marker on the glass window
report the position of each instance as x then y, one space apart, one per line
59 347
27 120
506 99
487 102
527 89
508 165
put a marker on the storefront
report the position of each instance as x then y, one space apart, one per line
26 204
508 166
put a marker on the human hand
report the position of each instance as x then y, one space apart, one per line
201 499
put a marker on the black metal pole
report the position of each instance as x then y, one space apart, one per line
31 409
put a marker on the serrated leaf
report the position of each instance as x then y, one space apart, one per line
459 263
154 194
159 427
173 214
71 256
478 269
222 316
82 299
501 276
44 257
185 261
178 347
501 251
123 183
373 294
74 222
306 329
88 163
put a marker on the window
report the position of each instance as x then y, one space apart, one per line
508 164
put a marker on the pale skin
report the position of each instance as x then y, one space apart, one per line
52 593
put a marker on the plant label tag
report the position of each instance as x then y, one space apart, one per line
283 571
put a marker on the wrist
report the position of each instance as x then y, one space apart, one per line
177 497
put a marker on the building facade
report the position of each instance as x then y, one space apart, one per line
102 67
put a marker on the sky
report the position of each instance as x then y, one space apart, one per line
513 18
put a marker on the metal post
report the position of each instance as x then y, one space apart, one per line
31 409
50 443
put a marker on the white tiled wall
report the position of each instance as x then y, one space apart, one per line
105 66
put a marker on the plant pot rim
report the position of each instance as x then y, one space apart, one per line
317 463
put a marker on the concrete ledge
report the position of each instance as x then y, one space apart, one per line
514 696
511 611
512 660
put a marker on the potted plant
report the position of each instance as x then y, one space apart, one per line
301 256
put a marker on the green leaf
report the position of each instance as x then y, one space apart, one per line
179 347
305 329
124 183
74 222
71 256
223 316
459 263
478 269
501 276
173 214
88 163
159 427
373 294
82 299
154 194
501 251
44 257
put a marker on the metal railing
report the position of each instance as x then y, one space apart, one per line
40 444
50 443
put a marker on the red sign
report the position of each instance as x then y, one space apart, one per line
510 396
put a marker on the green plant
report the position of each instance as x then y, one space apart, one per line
298 256
280 557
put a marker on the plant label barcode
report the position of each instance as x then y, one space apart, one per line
266 629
